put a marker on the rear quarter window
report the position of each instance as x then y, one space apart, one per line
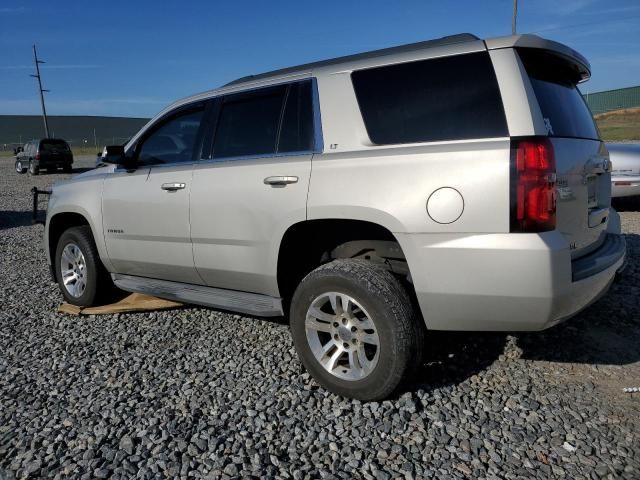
450 98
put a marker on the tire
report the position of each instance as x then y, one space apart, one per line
67 168
19 167
97 282
373 293
34 168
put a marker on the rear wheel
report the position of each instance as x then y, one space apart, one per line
81 276
67 168
34 168
353 326
19 167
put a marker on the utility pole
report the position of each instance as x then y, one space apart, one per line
41 90
515 15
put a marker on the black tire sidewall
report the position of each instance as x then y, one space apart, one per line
34 168
390 360
78 236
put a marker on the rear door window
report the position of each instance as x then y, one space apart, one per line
248 123
563 108
450 98
296 133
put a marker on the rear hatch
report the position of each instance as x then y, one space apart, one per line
53 149
582 160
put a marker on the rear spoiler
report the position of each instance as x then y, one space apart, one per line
34 218
533 41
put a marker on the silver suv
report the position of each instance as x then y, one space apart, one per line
454 184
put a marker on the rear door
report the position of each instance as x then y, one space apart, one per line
582 160
252 185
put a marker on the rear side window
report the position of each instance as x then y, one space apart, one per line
451 98
554 81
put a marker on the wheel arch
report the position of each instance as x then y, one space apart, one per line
306 245
57 225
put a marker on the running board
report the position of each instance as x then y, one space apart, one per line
234 301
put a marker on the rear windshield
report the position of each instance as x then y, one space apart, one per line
450 98
554 82
54 146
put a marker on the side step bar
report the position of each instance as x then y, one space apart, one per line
242 302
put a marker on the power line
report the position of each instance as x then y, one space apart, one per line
41 90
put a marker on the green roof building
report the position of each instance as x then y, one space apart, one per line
600 102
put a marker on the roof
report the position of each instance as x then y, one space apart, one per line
438 42
510 41
462 41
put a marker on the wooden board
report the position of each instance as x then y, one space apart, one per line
136 302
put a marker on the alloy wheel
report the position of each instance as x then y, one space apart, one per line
342 336
73 268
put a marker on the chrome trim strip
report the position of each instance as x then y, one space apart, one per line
205 161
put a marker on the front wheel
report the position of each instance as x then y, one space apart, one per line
67 168
81 276
353 326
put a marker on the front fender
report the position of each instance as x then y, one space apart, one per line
82 196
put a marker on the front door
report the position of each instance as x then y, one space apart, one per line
146 211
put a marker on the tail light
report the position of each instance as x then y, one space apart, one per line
38 156
533 185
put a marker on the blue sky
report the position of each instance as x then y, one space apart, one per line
131 58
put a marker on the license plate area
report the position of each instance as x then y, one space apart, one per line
592 191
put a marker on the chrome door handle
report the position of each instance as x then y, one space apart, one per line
280 180
172 187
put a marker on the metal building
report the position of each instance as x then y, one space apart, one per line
600 102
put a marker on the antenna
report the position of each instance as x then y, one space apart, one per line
41 90
514 17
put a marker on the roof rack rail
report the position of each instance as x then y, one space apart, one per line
448 40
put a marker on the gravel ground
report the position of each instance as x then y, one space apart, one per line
198 393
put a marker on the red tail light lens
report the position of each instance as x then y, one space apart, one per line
533 185
38 156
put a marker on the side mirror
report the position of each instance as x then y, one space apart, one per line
115 154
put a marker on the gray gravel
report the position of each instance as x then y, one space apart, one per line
198 393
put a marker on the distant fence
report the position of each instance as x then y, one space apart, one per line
600 102
98 143
78 131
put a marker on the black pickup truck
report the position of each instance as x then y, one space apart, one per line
48 153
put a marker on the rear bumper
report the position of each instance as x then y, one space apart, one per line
506 282
625 186
54 162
